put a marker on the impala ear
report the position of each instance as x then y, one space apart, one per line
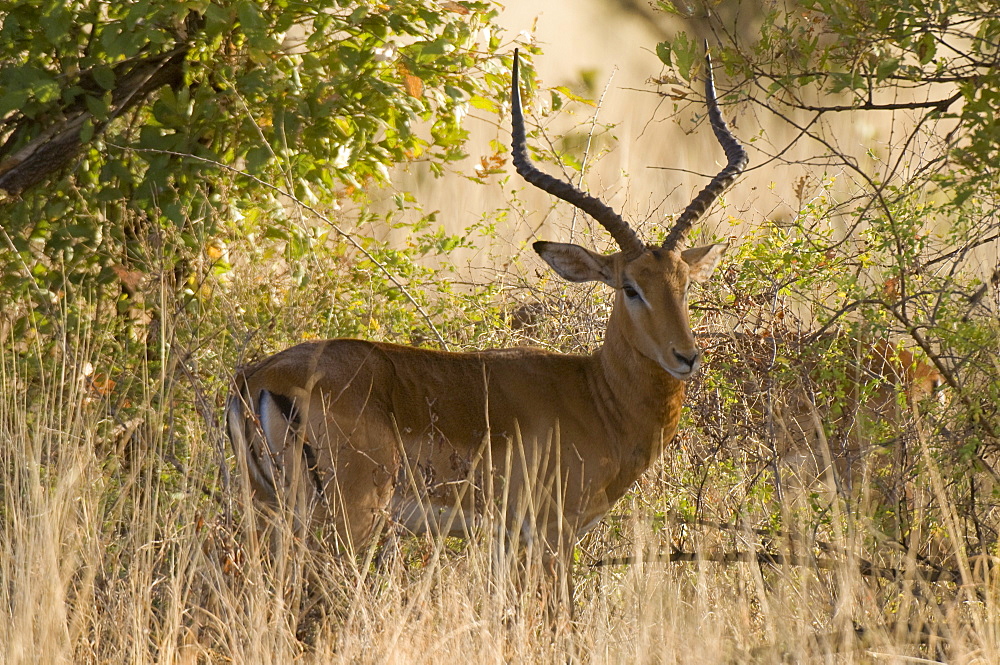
703 260
577 264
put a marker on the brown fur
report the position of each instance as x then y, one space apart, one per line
346 432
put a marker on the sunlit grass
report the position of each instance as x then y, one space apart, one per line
123 540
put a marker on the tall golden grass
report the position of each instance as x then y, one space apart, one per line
123 539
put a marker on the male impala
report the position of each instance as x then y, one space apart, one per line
346 432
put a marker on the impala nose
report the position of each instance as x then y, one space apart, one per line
690 359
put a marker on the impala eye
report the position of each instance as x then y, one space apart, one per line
630 292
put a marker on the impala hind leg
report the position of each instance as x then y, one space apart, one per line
357 486
533 557
535 538
304 467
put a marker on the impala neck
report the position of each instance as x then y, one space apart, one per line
643 399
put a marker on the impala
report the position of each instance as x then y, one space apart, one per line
347 432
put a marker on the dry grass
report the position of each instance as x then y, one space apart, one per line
123 541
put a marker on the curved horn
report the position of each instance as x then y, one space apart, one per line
735 153
619 229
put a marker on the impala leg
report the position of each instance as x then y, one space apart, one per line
557 569
356 484
538 584
541 552
538 536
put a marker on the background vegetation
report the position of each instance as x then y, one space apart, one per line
187 186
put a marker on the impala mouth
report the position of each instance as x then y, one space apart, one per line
683 373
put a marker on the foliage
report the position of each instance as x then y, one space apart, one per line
319 98
895 248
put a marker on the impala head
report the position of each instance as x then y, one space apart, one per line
651 283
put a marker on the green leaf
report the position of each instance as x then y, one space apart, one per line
684 52
663 53
926 48
669 8
87 131
12 100
97 106
569 94
120 44
484 104
45 90
257 158
251 20
358 14
174 212
56 22
886 68
104 76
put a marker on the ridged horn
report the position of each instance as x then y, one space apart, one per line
735 153
619 229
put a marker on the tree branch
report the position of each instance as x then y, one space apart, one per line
58 144
939 105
